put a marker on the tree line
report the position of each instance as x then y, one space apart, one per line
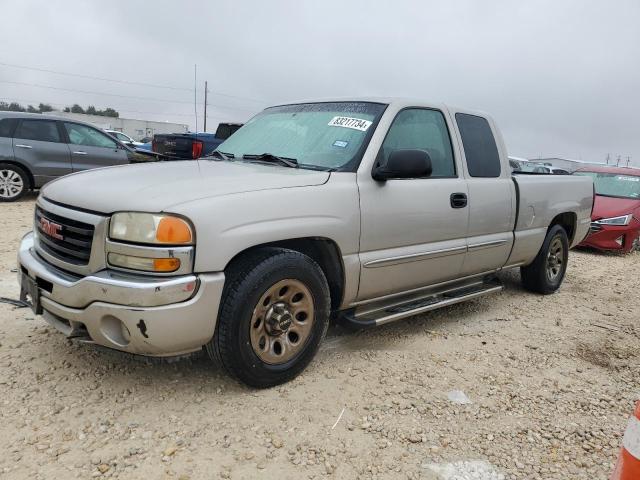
44 108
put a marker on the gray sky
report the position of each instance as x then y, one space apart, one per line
562 78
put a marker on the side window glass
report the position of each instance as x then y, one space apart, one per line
41 130
479 145
87 136
422 129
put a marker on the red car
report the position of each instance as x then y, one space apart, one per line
615 220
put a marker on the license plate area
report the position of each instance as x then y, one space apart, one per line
30 293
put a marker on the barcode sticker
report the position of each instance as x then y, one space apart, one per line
349 122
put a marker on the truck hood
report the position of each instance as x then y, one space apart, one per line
155 187
608 207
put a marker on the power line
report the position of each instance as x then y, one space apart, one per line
125 82
88 92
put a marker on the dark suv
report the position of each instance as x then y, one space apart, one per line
35 149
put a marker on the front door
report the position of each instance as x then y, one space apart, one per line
91 148
412 233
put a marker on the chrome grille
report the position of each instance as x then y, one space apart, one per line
77 237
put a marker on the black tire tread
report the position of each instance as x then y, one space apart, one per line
219 348
534 275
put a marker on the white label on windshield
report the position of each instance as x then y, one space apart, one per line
348 122
629 179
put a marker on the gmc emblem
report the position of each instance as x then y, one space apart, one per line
51 229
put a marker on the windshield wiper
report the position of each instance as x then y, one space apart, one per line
270 157
221 155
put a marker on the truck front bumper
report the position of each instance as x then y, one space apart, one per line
138 314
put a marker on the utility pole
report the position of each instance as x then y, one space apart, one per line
628 159
608 158
618 161
205 105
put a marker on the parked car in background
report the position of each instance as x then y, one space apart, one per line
126 139
35 149
615 220
528 167
192 145
146 140
369 211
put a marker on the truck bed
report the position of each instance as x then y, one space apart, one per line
540 198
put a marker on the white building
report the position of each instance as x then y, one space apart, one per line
136 129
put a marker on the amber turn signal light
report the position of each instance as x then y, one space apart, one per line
173 230
166 264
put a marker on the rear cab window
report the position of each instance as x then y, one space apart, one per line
480 149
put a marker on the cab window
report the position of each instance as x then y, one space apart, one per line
421 129
480 147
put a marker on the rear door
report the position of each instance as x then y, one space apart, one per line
39 144
491 195
91 148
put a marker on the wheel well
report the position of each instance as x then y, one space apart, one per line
567 221
324 252
22 167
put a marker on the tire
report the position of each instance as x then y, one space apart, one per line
273 315
14 182
546 273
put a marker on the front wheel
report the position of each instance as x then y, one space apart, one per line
546 272
273 316
14 182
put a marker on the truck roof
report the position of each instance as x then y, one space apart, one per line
396 101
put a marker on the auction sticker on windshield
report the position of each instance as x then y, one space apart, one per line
628 179
348 122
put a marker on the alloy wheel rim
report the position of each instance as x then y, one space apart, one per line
11 184
282 321
555 259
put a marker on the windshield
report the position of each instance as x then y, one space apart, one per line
615 184
329 136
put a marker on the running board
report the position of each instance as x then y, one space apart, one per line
373 316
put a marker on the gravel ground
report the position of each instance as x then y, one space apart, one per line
551 380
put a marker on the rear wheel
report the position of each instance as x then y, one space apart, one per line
14 182
273 316
546 273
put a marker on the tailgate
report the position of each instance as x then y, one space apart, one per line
175 146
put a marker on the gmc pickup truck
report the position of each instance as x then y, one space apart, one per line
366 211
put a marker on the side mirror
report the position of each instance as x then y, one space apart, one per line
404 164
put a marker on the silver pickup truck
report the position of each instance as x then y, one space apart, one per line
366 211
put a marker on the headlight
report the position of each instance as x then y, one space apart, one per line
150 228
620 221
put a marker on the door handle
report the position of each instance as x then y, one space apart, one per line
23 146
458 200
80 153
